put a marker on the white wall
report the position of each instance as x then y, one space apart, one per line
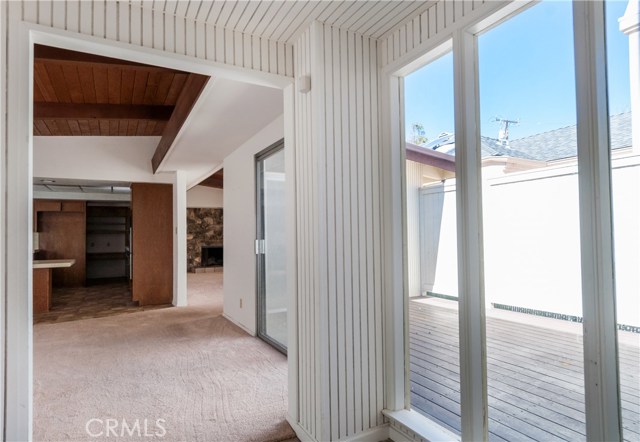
240 226
532 239
204 197
97 158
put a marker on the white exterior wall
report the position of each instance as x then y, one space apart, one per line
240 226
205 197
532 240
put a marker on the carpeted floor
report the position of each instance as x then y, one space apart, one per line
203 376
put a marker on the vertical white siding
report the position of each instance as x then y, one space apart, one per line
414 182
434 24
131 23
338 198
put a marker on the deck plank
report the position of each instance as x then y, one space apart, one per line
535 381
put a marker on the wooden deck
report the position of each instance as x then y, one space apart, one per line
535 381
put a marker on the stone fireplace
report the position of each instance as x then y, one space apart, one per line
204 230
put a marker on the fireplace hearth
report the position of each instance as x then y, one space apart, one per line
211 256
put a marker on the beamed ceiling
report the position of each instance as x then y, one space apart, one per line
216 180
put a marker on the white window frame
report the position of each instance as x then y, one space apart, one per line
602 391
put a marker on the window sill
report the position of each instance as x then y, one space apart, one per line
414 426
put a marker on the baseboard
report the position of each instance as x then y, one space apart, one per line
230 319
377 434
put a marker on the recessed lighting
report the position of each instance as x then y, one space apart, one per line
48 181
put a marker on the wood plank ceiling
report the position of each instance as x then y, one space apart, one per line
216 180
78 94
284 21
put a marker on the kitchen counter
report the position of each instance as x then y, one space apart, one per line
42 281
53 263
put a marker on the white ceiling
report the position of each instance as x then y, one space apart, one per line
285 20
226 115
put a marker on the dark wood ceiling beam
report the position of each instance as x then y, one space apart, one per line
192 89
64 56
64 111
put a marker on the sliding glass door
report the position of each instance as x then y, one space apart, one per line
271 246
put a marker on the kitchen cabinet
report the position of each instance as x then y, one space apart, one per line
61 230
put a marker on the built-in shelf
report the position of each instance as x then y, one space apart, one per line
107 238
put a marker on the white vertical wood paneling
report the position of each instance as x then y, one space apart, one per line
229 54
340 360
73 12
111 20
59 15
124 23
438 20
414 182
165 29
135 18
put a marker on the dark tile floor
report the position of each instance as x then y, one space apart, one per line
72 304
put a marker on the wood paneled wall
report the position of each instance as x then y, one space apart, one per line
63 236
129 22
152 247
340 344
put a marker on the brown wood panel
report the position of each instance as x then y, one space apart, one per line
139 87
87 84
126 86
59 83
101 84
164 84
114 77
73 206
174 90
42 287
63 236
47 206
72 81
152 212
44 82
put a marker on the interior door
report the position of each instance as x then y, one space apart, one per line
271 246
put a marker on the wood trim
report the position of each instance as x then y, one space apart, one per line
430 157
64 111
193 87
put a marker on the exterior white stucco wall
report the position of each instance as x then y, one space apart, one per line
240 226
532 239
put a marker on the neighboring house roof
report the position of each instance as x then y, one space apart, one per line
546 146
490 147
562 143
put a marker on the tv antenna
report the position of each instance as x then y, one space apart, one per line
503 133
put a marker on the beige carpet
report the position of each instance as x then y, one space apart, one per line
205 377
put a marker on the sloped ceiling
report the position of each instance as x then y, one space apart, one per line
284 21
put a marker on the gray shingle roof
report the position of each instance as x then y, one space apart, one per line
546 146
562 143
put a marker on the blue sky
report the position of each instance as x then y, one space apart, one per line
526 73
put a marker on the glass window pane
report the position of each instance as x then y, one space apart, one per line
531 227
623 72
431 244
275 283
